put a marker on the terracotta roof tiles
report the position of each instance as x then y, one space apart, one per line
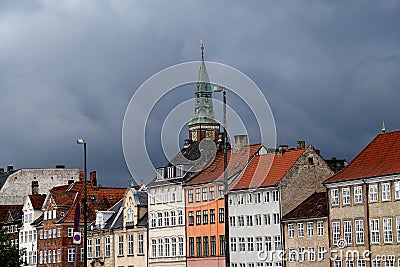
378 158
37 201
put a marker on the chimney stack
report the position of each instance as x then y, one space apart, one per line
60 166
282 149
35 187
81 175
240 142
10 168
1 170
301 144
93 179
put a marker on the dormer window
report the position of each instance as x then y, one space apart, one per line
171 172
179 171
160 173
99 219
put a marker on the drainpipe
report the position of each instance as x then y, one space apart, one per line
368 234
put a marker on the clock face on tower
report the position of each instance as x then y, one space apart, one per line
210 134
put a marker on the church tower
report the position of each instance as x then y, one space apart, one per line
203 123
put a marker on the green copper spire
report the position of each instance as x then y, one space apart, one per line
203 109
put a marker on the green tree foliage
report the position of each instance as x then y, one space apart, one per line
9 254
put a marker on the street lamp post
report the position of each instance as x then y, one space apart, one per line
226 212
83 141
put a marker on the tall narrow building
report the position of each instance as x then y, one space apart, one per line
203 123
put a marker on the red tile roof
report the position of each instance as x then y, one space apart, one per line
4 209
267 170
236 162
380 157
37 201
315 206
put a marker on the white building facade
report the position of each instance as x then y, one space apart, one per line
28 233
166 211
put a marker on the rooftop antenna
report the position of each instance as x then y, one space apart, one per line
202 49
383 128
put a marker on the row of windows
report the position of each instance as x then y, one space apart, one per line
258 264
373 191
362 263
268 243
206 246
53 233
309 229
54 256
11 228
167 247
29 258
166 195
254 198
205 213
166 218
258 219
300 254
120 244
27 236
205 194
51 214
386 224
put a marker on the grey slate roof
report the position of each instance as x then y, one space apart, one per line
108 224
143 221
140 197
4 176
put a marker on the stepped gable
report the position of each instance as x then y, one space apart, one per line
378 158
315 206
236 162
267 169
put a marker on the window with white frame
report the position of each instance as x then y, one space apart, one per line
346 195
167 247
250 244
291 230
249 220
335 197
153 220
387 230
267 219
258 219
361 263
97 247
173 217
59 232
166 195
71 254
232 221
389 262
359 225
373 192
347 231
374 225
240 199
160 219
268 243
397 190
320 228
321 253
205 217
166 218
190 195
376 263
398 229
349 263
292 255
120 245
152 197
257 197
58 255
180 217
153 248
212 192
275 195
276 218
180 246
198 217
130 244
300 230
302 252
385 191
173 247
179 194
160 247
231 200
198 198
311 254
107 246
335 232
89 248
277 242
337 263
220 191
140 244
310 228
249 198
266 196
242 244
70 232
358 194
173 195
259 243
205 193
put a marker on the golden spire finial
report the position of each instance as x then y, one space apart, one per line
383 127
202 49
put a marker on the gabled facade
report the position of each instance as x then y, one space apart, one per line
364 210
205 216
306 233
55 247
11 218
269 187
32 210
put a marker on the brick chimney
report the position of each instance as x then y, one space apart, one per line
301 144
93 179
241 141
81 175
35 187
10 168
1 170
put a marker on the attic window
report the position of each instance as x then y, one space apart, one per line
236 165
310 161
213 168
62 214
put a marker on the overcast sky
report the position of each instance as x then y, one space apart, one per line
330 70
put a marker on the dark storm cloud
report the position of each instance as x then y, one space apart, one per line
329 69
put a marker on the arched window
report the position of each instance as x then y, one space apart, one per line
130 215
